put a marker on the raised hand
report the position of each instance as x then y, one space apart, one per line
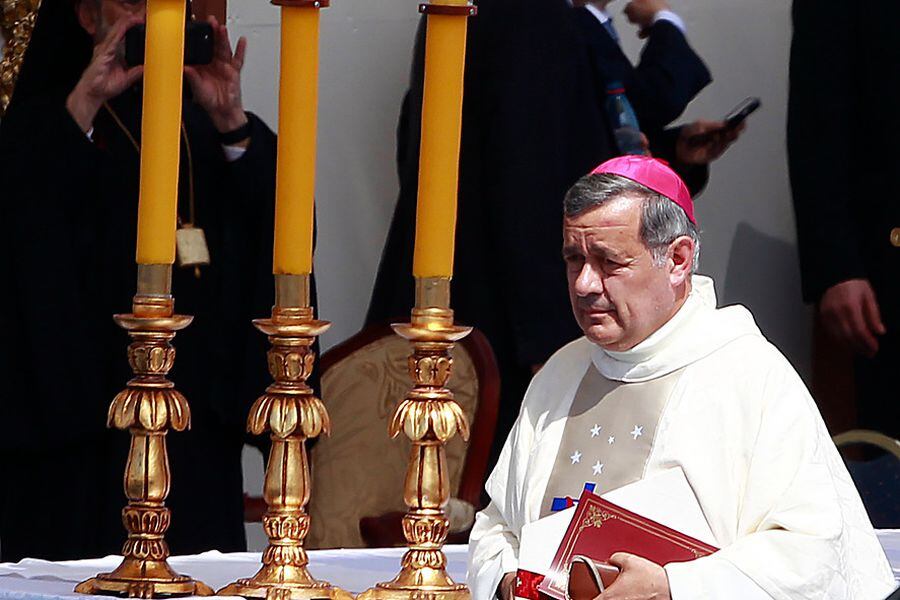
217 86
105 77
642 12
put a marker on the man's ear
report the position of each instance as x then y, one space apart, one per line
681 260
86 10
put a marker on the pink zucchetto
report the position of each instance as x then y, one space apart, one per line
654 174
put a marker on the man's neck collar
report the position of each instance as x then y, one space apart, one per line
695 331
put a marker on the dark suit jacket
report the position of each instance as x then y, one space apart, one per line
844 145
669 75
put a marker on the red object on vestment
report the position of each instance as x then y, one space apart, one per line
527 585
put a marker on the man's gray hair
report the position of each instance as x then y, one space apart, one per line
662 221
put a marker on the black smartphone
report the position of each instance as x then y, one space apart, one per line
741 112
198 44
732 120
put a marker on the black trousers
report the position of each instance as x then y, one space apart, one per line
878 388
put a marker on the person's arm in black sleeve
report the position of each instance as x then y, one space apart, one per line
54 396
663 145
249 191
822 113
253 173
669 75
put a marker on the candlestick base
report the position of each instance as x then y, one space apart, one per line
143 579
390 591
284 582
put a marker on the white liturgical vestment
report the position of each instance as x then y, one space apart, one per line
743 428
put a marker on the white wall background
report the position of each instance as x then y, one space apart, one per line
749 244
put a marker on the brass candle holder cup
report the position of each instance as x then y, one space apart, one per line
429 417
148 408
292 414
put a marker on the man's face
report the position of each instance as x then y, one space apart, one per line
618 294
99 16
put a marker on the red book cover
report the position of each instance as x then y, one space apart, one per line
599 529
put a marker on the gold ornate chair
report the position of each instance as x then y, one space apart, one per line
358 472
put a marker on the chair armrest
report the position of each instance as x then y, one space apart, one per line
254 508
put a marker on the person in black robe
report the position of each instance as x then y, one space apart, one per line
69 209
669 74
844 155
533 123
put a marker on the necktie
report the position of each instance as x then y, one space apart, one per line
611 29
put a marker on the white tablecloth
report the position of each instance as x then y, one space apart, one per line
353 570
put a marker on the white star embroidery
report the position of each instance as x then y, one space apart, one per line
576 458
598 468
637 432
595 430
611 439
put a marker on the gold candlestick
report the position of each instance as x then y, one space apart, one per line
429 416
292 413
148 408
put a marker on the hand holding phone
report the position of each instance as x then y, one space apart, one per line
732 121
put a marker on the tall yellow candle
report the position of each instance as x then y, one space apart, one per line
298 104
160 130
445 55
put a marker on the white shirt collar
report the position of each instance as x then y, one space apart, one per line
599 13
697 330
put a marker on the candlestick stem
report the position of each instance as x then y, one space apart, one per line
292 414
148 407
429 416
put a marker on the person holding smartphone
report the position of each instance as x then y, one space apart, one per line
70 153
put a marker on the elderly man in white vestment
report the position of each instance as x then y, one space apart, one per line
663 378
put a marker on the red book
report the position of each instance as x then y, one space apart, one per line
599 529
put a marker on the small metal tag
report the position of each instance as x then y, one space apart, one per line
190 244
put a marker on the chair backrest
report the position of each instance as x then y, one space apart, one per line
359 471
878 478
